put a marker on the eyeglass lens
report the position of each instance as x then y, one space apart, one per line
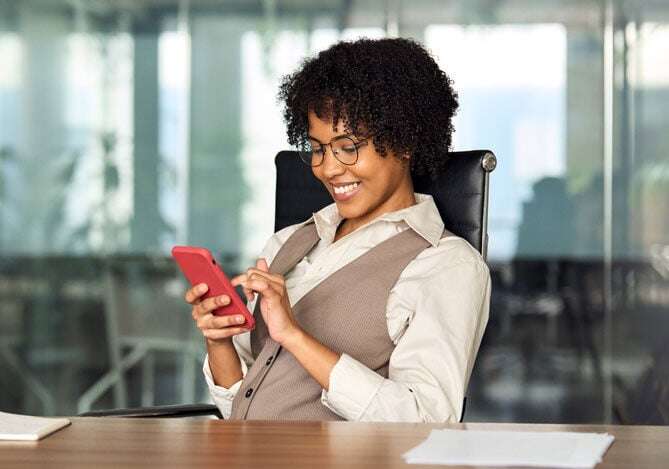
344 149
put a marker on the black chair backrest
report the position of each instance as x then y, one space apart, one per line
460 193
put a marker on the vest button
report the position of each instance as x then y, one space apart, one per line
269 360
249 392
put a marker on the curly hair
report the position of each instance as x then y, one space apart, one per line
391 90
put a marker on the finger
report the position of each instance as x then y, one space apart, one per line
238 280
210 304
220 322
263 287
261 264
209 321
218 334
196 292
273 286
249 294
266 275
241 280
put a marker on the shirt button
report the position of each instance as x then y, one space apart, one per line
249 392
269 360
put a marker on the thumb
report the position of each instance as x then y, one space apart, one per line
261 264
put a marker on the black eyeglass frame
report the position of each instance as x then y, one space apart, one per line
322 147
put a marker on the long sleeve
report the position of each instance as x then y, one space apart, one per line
221 396
436 315
446 308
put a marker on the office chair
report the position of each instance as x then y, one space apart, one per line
144 317
13 307
460 193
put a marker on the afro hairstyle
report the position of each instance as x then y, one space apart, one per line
391 90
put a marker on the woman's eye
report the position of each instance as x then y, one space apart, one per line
317 151
348 149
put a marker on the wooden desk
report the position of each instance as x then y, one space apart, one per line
111 442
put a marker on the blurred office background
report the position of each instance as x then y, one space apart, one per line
128 126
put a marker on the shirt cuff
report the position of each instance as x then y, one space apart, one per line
221 396
352 388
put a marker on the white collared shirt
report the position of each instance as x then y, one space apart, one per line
436 314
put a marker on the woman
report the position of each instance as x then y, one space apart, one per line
369 310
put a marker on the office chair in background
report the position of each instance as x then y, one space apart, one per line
144 317
460 193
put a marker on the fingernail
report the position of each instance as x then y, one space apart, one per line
240 319
202 288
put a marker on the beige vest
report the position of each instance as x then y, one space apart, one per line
346 312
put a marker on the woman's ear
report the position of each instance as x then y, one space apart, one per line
405 161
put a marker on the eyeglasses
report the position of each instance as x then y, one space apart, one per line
345 149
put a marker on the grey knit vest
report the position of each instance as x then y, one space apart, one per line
346 312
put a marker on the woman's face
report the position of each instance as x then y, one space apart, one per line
374 185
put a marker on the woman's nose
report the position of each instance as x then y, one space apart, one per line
331 165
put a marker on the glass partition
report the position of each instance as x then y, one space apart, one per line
128 128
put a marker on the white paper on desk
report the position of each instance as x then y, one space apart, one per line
505 448
27 427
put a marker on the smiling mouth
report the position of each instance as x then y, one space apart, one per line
345 192
345 188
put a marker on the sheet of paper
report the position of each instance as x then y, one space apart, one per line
506 448
27 427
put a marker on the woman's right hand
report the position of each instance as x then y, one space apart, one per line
216 329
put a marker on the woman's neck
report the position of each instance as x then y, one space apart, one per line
349 225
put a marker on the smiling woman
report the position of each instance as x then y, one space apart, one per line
369 310
389 93
369 187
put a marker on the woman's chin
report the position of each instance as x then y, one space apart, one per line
348 210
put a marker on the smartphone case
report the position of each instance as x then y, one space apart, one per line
199 266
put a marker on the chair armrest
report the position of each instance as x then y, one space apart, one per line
168 411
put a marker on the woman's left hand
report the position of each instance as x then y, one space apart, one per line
274 304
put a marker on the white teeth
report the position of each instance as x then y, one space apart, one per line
346 188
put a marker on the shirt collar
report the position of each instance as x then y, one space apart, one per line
423 218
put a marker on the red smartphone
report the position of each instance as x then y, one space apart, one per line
199 266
